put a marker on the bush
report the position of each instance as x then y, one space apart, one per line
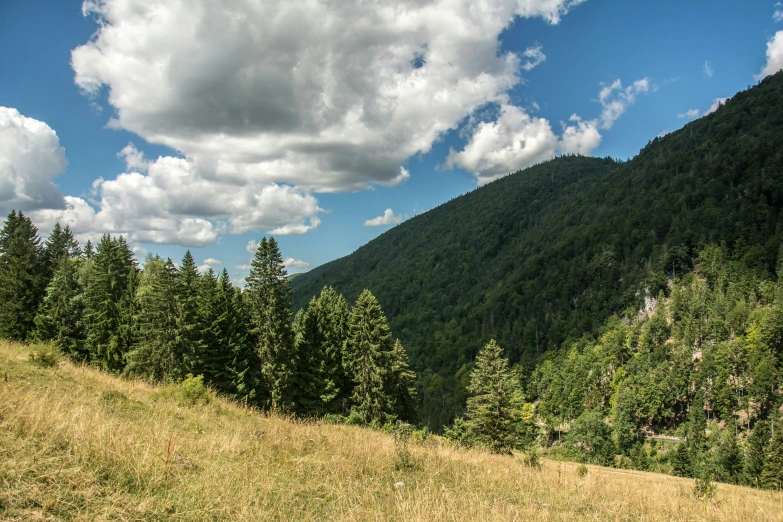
704 489
190 392
45 357
582 470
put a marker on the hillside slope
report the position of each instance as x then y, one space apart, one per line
550 252
77 444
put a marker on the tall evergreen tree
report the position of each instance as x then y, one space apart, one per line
697 443
187 282
729 457
246 364
156 354
22 276
320 382
772 474
268 298
89 253
755 453
59 317
494 407
109 303
367 358
401 383
220 330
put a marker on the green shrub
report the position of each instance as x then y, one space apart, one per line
582 470
189 392
45 357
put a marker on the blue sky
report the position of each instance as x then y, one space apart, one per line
267 117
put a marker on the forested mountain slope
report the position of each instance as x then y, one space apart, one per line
550 252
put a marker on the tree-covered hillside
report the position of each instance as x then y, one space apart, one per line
549 253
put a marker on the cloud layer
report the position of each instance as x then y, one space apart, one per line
30 158
774 56
324 95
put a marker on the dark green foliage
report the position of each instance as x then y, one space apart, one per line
697 425
401 383
59 317
367 357
22 276
591 438
729 461
268 300
494 417
755 453
681 461
772 475
157 353
109 301
548 254
187 288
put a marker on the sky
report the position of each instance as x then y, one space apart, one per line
209 124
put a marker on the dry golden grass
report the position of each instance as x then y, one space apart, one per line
72 448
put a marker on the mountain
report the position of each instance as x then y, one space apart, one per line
549 253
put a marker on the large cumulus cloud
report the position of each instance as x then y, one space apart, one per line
326 95
30 159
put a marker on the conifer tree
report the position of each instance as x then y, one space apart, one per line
333 314
109 303
246 365
401 382
155 354
268 300
59 317
494 407
681 461
367 359
89 253
187 282
221 330
729 457
772 474
22 276
697 443
755 453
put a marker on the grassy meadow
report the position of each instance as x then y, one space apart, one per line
79 444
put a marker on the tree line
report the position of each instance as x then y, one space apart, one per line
163 323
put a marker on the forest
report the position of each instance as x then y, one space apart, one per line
168 323
539 258
626 314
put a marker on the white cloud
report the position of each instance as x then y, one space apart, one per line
535 57
30 159
173 204
243 267
388 218
252 246
290 262
778 15
774 56
134 159
513 142
708 68
690 114
581 138
615 99
715 105
321 95
211 261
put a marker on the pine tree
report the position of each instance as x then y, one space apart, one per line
772 474
220 330
697 443
401 383
59 317
729 457
89 253
268 298
155 354
246 365
109 303
755 453
188 328
681 461
368 353
22 276
494 407
333 314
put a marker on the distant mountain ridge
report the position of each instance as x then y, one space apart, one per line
548 253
